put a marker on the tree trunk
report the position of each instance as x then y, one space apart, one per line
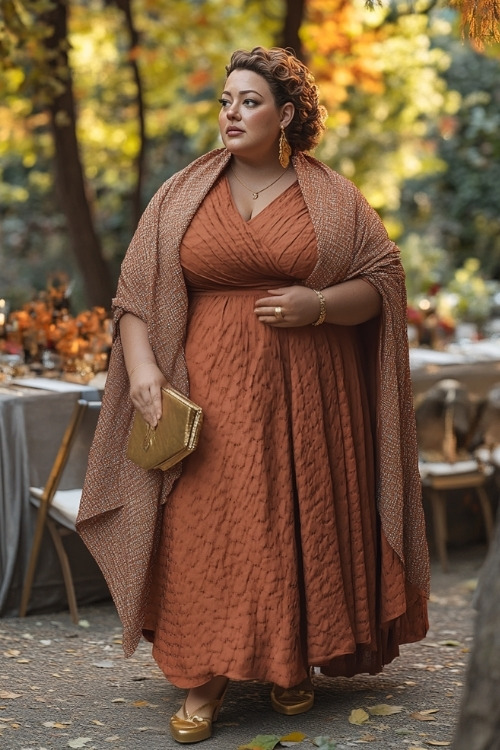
479 720
69 177
293 20
137 207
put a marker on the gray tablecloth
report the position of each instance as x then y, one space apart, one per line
32 423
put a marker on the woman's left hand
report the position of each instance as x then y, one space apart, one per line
288 306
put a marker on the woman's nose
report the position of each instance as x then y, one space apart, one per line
232 113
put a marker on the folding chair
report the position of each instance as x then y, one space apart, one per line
58 508
445 418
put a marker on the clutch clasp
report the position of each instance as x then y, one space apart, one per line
148 437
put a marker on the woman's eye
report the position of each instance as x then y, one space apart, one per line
250 102
223 102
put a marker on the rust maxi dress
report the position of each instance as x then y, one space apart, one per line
270 557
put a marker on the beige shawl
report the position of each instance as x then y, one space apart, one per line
119 517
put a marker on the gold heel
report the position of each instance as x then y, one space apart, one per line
195 727
292 701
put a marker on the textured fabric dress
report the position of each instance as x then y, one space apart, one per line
268 556
320 432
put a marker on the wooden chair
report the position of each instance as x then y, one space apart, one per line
445 418
57 507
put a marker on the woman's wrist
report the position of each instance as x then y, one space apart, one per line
322 308
140 364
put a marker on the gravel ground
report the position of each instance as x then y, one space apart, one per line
64 686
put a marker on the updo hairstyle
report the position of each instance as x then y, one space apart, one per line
289 81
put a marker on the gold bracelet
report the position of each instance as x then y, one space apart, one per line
137 367
322 308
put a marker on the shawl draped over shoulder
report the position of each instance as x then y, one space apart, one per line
119 518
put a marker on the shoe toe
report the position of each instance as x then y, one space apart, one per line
292 701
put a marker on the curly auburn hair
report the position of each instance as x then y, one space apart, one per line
290 81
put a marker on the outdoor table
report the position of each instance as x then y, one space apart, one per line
476 365
33 417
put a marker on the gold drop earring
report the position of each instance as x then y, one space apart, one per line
285 150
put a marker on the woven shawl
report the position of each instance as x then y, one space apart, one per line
119 518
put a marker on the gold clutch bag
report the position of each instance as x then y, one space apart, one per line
174 437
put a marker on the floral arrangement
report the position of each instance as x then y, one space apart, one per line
465 298
45 334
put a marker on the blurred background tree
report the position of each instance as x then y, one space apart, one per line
102 100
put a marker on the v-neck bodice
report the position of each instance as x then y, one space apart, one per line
222 250
270 205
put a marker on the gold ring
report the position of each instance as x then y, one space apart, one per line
278 313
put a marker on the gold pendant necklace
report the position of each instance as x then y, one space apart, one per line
256 193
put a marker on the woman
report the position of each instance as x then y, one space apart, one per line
294 536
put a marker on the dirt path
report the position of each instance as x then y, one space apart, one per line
69 686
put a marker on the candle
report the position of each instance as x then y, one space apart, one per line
3 315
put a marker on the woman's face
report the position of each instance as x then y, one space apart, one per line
249 119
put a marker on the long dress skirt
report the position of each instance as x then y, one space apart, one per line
270 557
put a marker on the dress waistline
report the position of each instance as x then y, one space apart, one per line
228 292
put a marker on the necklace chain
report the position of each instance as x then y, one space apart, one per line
256 193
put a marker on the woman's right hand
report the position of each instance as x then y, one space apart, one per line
146 381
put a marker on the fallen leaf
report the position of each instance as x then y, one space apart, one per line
56 724
450 643
113 738
98 723
11 653
104 664
79 742
261 742
118 700
84 623
324 743
293 737
422 716
358 716
367 738
7 695
383 709
438 743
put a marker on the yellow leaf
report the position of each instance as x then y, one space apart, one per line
383 709
422 716
293 737
358 716
7 695
438 743
141 704
429 711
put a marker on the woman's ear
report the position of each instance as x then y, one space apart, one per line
287 113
